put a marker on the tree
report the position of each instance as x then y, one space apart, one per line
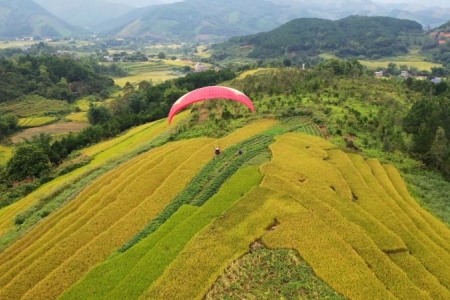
439 149
28 161
98 115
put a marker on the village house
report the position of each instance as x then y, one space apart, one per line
199 67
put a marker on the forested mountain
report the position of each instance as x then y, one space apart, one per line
85 13
199 19
224 20
354 36
20 18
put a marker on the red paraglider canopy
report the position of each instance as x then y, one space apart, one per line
209 92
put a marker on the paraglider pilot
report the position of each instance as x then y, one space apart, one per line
217 151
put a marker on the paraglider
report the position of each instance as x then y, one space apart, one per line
207 93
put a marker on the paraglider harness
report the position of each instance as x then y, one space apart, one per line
217 151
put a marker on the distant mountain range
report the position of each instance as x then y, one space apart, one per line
19 18
200 19
197 20
190 19
85 13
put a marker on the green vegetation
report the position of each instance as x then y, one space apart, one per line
52 77
351 37
35 106
270 274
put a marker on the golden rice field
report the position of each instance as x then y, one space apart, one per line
108 206
77 117
5 154
352 220
156 71
116 149
33 106
36 121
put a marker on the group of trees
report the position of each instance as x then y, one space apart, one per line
428 122
8 124
50 76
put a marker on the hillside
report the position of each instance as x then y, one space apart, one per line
354 36
358 228
200 19
25 18
212 21
322 202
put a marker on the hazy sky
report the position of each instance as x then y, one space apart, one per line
442 3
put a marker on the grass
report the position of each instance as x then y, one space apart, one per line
422 186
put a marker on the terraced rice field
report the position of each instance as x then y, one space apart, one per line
36 121
101 218
56 129
34 106
100 157
5 154
154 71
167 223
